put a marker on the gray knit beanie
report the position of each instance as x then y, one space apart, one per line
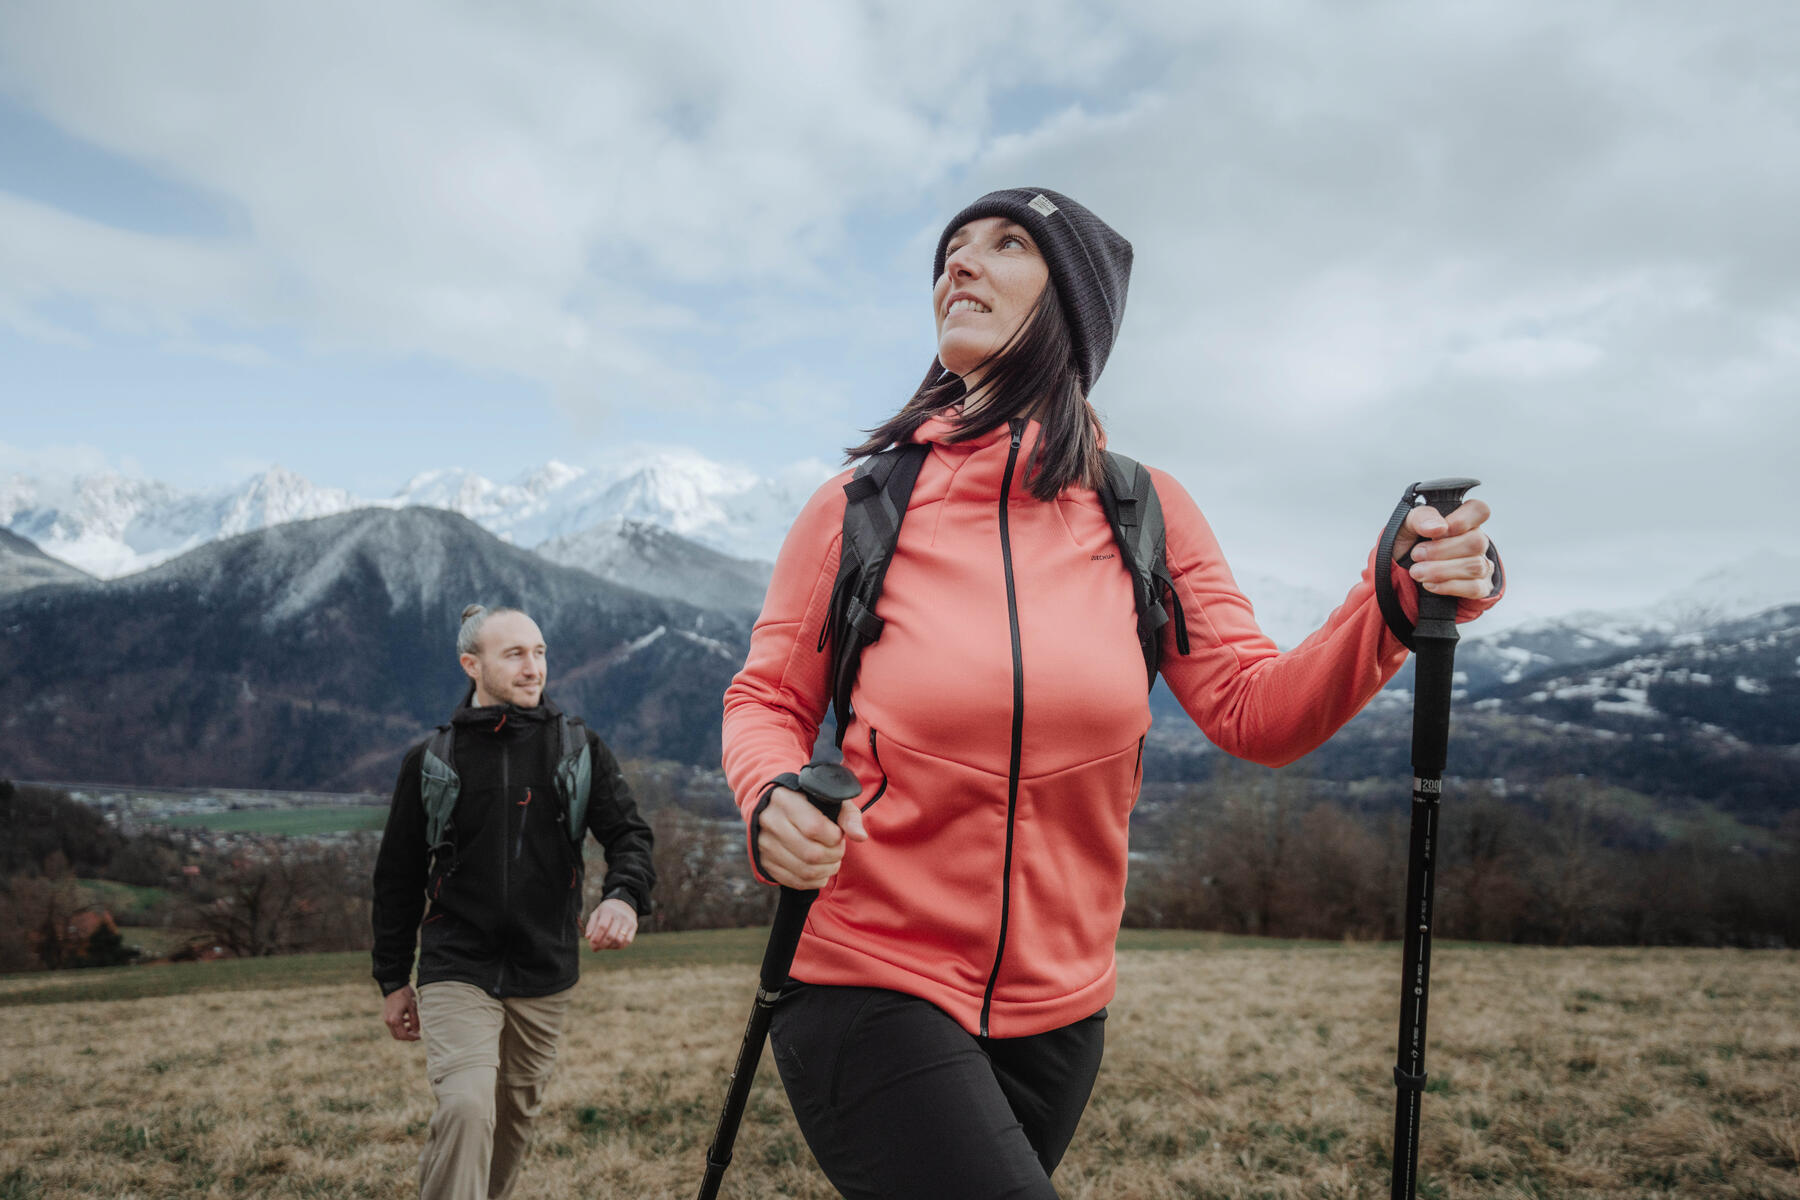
1089 261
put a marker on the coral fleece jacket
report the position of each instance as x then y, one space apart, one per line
997 784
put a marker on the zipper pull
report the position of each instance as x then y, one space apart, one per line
1018 431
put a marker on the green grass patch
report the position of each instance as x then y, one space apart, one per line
1193 939
156 941
286 822
17 1185
742 947
175 979
124 900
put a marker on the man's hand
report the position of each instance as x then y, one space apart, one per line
799 846
612 926
1454 562
400 1011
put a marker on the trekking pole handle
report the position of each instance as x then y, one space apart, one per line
828 785
1445 495
1437 613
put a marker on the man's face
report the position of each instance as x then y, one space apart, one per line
508 665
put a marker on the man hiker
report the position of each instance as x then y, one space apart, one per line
484 841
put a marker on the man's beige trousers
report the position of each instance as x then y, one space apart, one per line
489 1061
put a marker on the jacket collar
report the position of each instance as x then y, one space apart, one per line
491 718
978 466
944 423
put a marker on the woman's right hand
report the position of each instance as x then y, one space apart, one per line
799 847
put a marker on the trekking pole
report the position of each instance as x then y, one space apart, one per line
1433 641
827 785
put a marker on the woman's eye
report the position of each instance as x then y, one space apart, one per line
1012 239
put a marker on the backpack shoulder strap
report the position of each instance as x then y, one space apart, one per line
574 772
875 505
1135 513
439 785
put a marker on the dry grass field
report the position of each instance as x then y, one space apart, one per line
1233 1069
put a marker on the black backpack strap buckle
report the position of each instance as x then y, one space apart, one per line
863 620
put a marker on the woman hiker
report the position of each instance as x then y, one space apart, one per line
943 1024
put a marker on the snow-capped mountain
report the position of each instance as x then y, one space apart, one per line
728 509
650 558
510 510
109 525
1735 679
88 521
1732 593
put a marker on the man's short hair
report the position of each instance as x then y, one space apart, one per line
468 637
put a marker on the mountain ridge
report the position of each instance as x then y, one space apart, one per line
113 525
312 653
23 565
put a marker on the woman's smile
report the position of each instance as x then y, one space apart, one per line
992 269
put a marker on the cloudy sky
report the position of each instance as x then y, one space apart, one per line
1550 245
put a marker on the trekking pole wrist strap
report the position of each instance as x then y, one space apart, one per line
1385 598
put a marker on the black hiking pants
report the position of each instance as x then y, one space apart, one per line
898 1102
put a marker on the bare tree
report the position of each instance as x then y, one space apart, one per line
702 879
279 898
1250 851
1481 890
1570 870
35 915
1336 884
1170 887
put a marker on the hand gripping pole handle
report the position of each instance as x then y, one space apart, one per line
827 786
1445 495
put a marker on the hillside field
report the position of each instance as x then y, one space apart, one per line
308 821
1234 1069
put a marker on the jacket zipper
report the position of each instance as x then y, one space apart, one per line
505 873
876 755
1018 721
525 804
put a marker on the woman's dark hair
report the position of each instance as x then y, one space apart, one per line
1032 375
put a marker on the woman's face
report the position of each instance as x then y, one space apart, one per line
993 276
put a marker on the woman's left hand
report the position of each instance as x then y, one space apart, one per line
1449 554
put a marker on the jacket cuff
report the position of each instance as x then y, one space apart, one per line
787 779
628 896
390 986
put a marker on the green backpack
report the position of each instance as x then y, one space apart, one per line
440 785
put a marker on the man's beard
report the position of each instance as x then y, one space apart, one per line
507 694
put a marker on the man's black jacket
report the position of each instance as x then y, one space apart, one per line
501 905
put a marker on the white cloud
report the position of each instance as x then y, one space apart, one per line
521 188
1543 243
61 465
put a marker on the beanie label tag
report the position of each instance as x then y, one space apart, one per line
1042 204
